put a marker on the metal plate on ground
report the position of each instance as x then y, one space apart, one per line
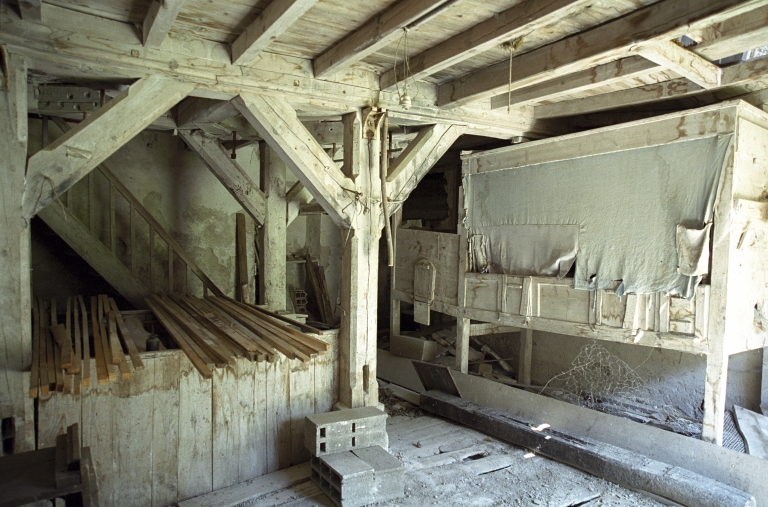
436 376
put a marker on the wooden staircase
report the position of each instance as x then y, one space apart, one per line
116 235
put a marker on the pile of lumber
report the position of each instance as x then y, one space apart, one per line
62 346
213 331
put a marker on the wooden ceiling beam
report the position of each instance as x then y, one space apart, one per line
229 173
271 24
377 33
277 123
734 77
98 48
602 75
158 21
688 64
733 36
512 23
61 164
417 159
663 20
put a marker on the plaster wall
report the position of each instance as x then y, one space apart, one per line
176 187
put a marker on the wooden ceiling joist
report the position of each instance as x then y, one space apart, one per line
61 164
505 26
688 64
158 22
664 20
602 75
734 35
271 24
734 76
277 123
377 33
229 173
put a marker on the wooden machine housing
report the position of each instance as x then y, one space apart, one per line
723 318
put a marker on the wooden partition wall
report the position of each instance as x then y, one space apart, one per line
168 434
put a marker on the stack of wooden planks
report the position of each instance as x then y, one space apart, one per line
213 331
62 347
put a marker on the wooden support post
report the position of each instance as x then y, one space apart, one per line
764 389
158 21
394 308
359 274
462 324
241 260
272 235
462 344
526 350
714 398
15 296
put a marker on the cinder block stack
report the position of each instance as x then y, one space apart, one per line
350 462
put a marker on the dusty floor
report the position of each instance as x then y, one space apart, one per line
447 464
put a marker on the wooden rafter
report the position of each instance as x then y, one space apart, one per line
158 21
663 20
271 24
276 121
417 159
58 166
602 75
733 76
505 26
377 33
229 173
686 63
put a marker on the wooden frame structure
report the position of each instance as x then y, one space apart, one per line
722 319
263 71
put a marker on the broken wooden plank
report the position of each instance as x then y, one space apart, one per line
603 460
86 343
101 322
125 337
59 333
102 374
116 351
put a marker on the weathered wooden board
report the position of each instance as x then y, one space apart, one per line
195 432
169 434
439 248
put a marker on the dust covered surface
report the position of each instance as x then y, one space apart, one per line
447 464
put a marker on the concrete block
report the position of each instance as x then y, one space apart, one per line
360 477
344 430
413 348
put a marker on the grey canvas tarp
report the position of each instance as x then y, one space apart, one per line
615 215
